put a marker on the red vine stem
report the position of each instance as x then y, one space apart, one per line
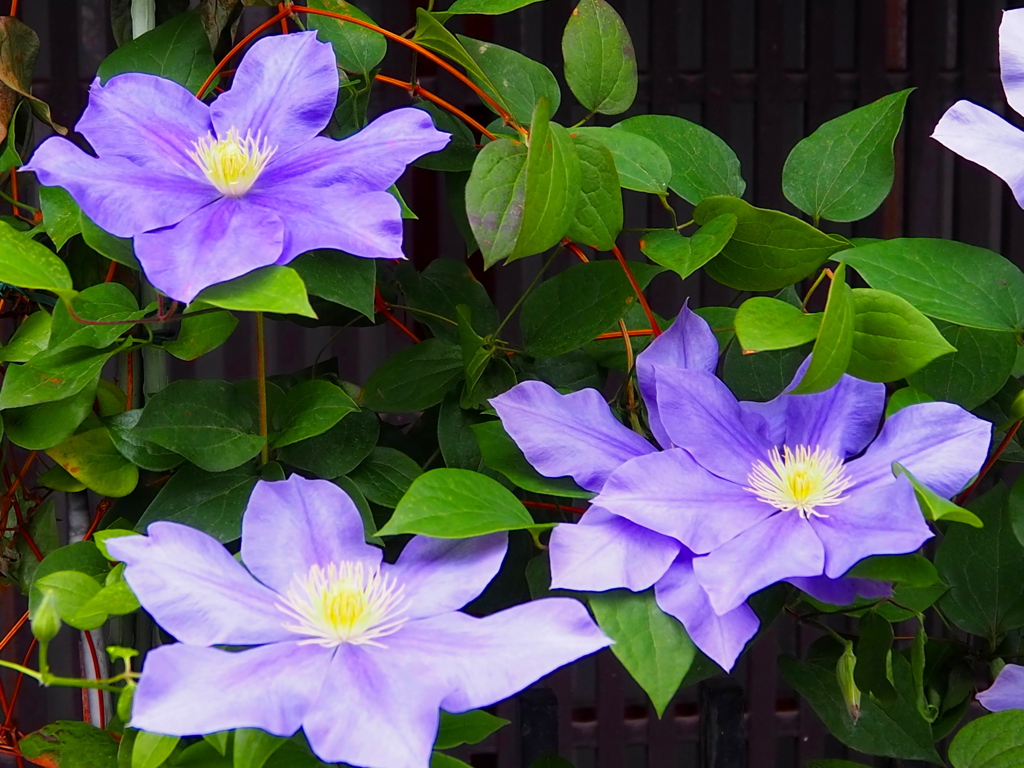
96 667
14 7
990 463
418 91
381 306
555 507
639 292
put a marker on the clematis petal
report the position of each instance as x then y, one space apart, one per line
220 242
721 638
442 575
1011 58
983 137
188 691
844 591
672 494
604 551
149 120
283 91
369 161
941 444
291 525
703 417
775 549
121 197
574 434
882 520
688 343
197 591
1007 692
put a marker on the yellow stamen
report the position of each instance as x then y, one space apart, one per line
802 480
232 164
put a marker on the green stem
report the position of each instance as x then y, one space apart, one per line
261 383
672 211
24 670
423 312
527 292
18 203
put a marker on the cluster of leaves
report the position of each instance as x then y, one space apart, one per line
417 446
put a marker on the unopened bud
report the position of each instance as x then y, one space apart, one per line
46 618
124 703
849 689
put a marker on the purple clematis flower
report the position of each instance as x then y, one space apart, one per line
1007 692
212 192
982 136
358 653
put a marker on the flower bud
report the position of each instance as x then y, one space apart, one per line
124 703
849 689
46 618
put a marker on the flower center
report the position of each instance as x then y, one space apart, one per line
232 164
802 480
344 603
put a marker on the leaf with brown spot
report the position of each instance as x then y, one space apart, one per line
216 15
19 48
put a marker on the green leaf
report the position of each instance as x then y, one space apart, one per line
685 255
891 339
467 728
597 221
102 537
524 82
501 453
49 377
845 169
92 458
475 353
642 165
119 249
488 7
762 376
385 475
212 502
984 568
82 556
904 397
254 747
38 427
72 590
570 309
702 164
207 422
141 452
27 264
59 479
152 749
431 34
834 345
975 372
461 151
70 744
874 649
114 599
202 334
310 409
912 570
454 504
178 49
268 289
414 378
951 281
60 214
763 323
31 338
600 63
441 760
337 451
42 527
104 303
769 250
219 741
936 507
358 49
992 741
439 289
339 277
495 196
652 646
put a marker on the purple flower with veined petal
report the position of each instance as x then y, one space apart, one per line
212 192
983 137
358 653
1007 692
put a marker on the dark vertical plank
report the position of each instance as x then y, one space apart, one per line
611 710
821 70
538 724
722 743
65 93
770 133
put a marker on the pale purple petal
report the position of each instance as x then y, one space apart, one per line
149 120
884 519
1011 58
188 691
291 525
369 161
841 591
688 343
672 494
984 138
443 575
778 548
721 638
604 551
703 417
284 91
121 197
941 444
1007 692
574 434
220 242
197 591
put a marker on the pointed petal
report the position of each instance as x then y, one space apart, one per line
882 520
672 494
220 242
721 638
149 120
574 434
284 90
121 197
604 551
1011 58
778 548
688 343
443 575
841 591
188 691
292 525
941 444
197 591
984 138
1007 692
